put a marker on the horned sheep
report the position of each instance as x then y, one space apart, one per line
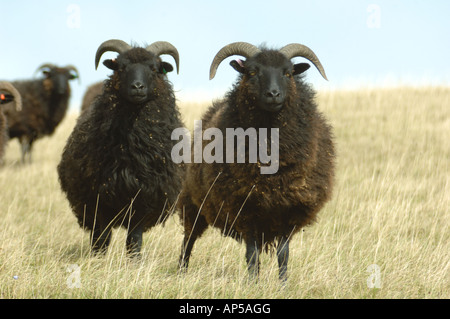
45 102
263 210
115 168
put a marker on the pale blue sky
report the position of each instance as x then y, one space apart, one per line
359 42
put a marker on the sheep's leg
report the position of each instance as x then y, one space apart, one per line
25 145
193 229
186 249
134 241
283 257
101 237
252 257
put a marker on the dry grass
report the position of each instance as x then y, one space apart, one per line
390 208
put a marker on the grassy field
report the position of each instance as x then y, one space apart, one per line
390 213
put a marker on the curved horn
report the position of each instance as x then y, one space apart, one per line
163 47
44 66
237 48
73 68
11 89
70 67
295 49
113 45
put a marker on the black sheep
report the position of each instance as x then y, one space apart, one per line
262 209
116 168
8 93
45 103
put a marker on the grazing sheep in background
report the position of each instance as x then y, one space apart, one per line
262 209
45 102
8 93
116 168
91 93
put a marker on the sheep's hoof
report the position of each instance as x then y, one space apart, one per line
283 280
135 256
253 278
182 267
99 251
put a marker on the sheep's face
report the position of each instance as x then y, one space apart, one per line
57 79
268 77
137 73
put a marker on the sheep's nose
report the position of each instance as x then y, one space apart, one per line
137 85
273 93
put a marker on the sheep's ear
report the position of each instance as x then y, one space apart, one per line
111 64
238 65
165 68
299 68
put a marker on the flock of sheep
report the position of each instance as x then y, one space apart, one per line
116 168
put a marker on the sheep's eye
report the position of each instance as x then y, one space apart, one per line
288 74
252 73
